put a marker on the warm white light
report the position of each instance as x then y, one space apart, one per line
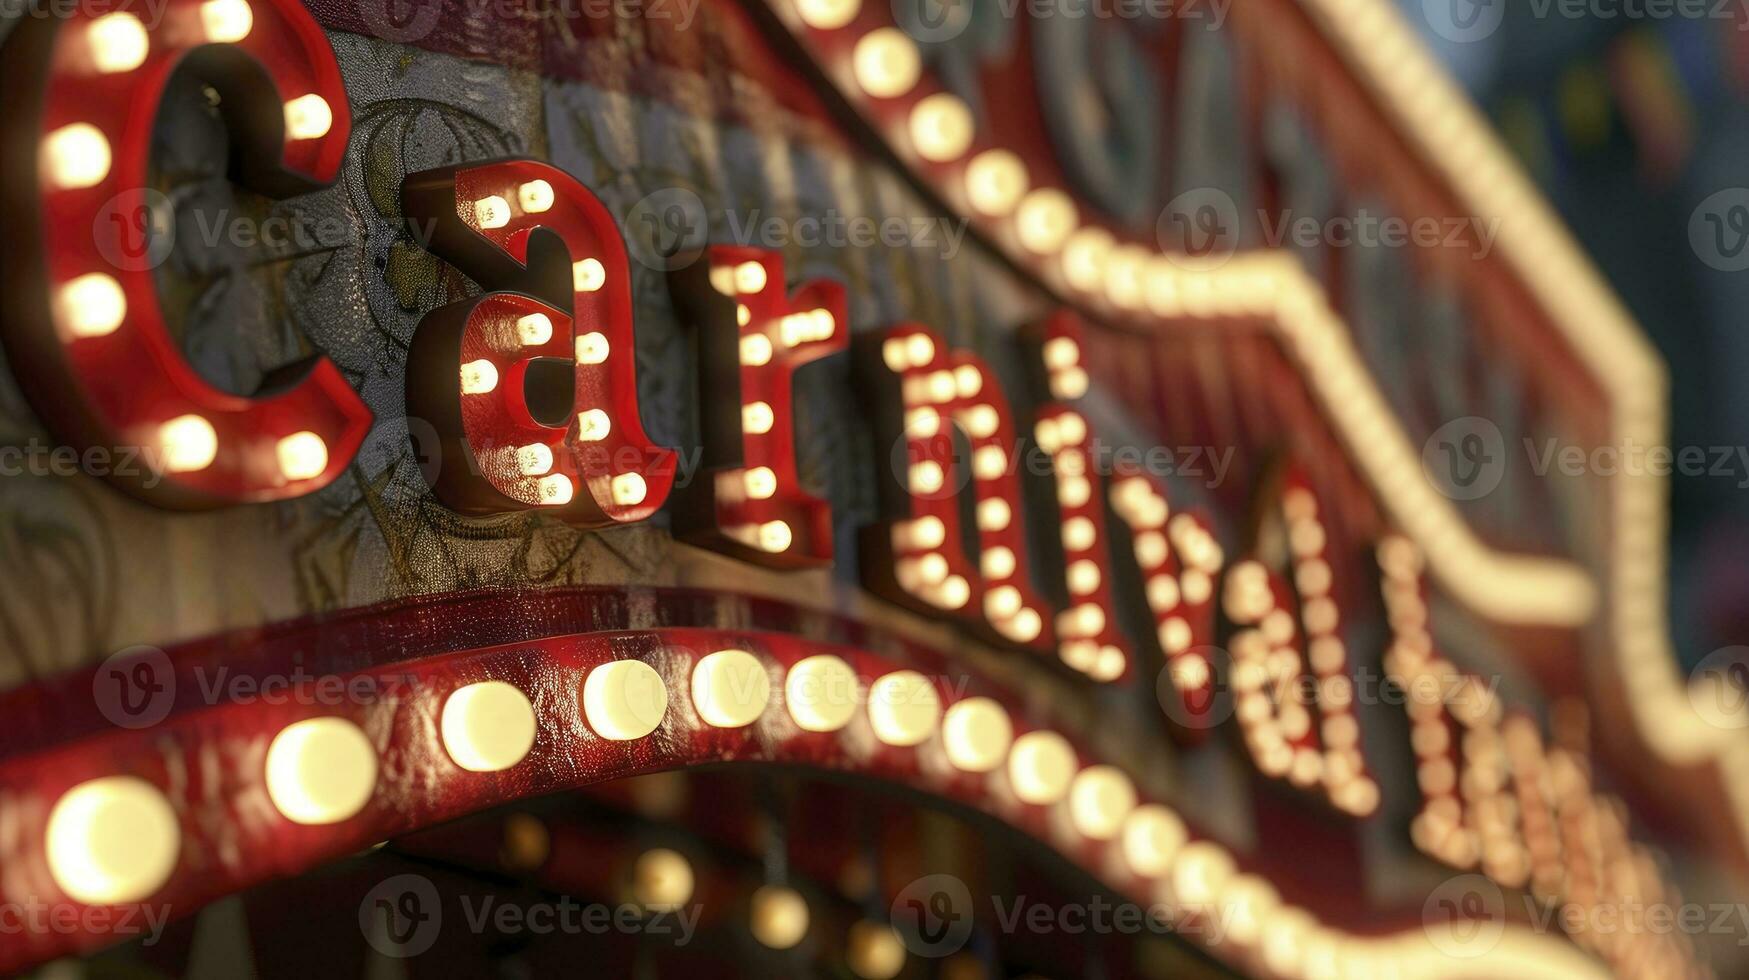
886 63
556 490
534 329
1044 220
1099 800
536 196
1061 353
588 275
730 688
775 536
76 155
187 443
624 700
487 727
755 350
592 348
320 770
112 841
534 459
749 277
1079 534
998 563
875 951
761 482
977 734
827 15
628 489
593 425
226 21
993 514
1085 255
662 880
118 43
308 117
91 305
903 707
757 418
491 211
820 693
995 182
1152 836
1083 576
920 349
479 377
779 917
1040 767
302 456
941 127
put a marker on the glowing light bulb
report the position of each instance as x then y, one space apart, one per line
827 15
1099 800
1079 534
755 350
820 693
1044 220
989 462
555 490
1040 767
588 275
968 380
487 727
93 305
778 917
479 377
775 536
536 196
920 349
186 444
926 477
320 770
534 329
976 733
998 563
1152 837
886 63
118 43
308 117
628 489
592 348
749 277
757 418
491 212
743 315
760 482
113 840
730 688
875 951
1061 352
903 708
928 532
302 456
1002 602
593 425
1084 257
226 21
624 700
662 880
993 514
75 156
941 127
1083 576
995 182
535 458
